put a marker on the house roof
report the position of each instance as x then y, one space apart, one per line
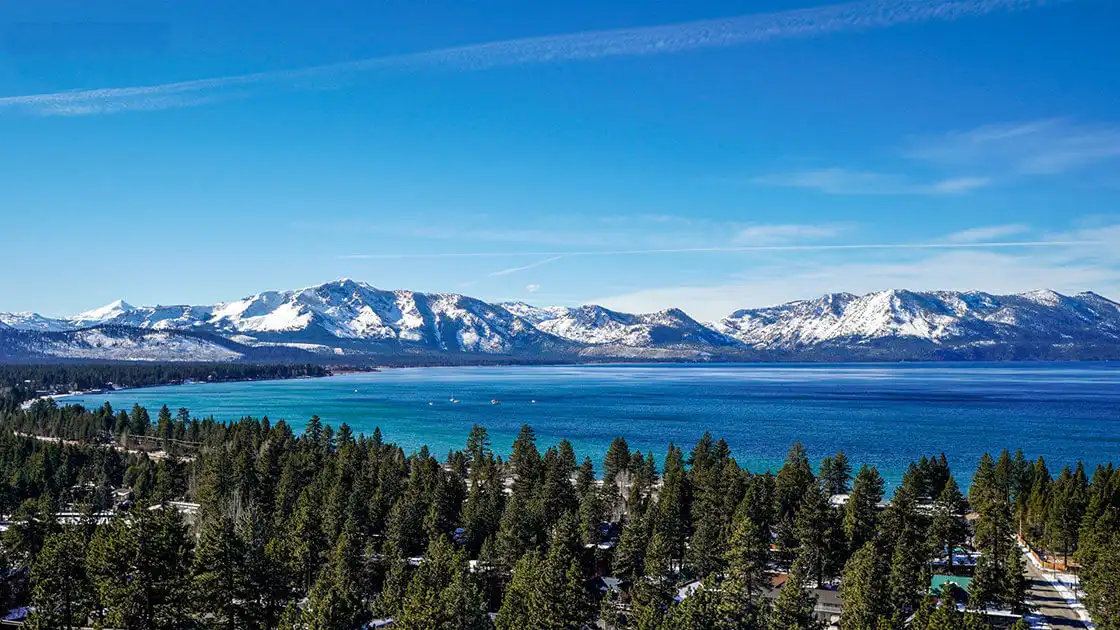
937 582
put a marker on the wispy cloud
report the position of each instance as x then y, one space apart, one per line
532 265
840 181
728 249
786 233
655 40
987 233
532 288
1041 147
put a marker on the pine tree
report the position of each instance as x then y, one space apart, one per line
747 574
837 475
793 609
305 542
335 600
948 528
138 566
62 594
861 514
700 611
987 586
791 485
217 586
394 589
924 614
1015 585
616 478
1068 501
671 517
568 607
1101 582
139 421
441 594
525 461
865 590
904 532
482 512
522 607
818 535
629 555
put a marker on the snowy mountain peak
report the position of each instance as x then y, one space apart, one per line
944 318
1044 296
105 313
348 316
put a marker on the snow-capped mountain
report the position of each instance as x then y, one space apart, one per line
347 320
119 343
108 313
344 314
941 318
595 325
535 314
32 321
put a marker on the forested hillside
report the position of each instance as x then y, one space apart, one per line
19 383
124 519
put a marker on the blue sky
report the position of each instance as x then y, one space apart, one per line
705 155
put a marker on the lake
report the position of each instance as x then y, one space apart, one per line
885 415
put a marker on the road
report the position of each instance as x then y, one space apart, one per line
1049 602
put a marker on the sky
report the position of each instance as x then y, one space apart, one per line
702 155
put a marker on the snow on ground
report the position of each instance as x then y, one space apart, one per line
160 346
1067 586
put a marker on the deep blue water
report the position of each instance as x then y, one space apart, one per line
883 415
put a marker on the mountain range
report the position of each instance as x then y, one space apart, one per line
353 322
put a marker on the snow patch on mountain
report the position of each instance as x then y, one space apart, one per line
595 325
106 313
33 321
153 346
535 314
355 318
939 317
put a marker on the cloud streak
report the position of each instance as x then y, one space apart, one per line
987 233
533 265
840 181
653 40
727 249
784 233
1040 147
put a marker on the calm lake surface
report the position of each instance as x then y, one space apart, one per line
883 415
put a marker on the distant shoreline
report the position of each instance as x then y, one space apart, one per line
104 390
349 370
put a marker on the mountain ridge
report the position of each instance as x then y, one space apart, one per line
352 320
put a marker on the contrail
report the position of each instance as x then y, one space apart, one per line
653 40
532 265
701 250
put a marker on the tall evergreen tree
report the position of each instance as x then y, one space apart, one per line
948 528
747 574
836 474
861 514
335 600
217 587
791 485
139 569
62 594
819 536
794 607
865 590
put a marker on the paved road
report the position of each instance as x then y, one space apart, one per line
1049 602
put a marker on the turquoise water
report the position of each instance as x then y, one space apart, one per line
883 415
